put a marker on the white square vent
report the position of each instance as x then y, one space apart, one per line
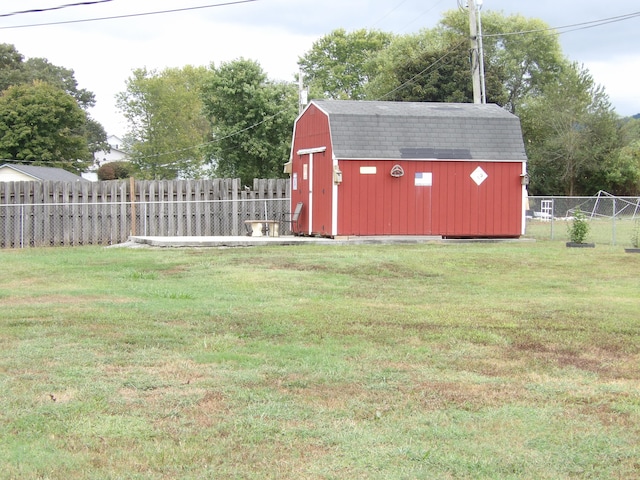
479 176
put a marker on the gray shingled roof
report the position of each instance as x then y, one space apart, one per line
417 130
45 173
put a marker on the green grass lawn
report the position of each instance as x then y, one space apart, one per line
496 361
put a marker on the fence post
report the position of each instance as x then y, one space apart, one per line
234 206
553 215
613 240
22 226
132 198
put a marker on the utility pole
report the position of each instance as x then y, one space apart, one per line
483 87
475 52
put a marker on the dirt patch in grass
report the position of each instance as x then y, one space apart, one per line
385 270
370 401
209 409
607 364
468 396
609 416
333 396
175 270
581 363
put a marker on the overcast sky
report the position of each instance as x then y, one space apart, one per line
276 33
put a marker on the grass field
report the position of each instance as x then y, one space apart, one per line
494 361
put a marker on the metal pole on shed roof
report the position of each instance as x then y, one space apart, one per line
302 92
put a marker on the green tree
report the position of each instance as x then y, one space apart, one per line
252 120
11 67
60 77
15 70
519 50
339 65
42 125
623 170
571 133
629 130
166 123
96 136
431 66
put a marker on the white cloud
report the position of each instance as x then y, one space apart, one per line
619 77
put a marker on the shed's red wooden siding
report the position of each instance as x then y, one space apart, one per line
379 204
463 208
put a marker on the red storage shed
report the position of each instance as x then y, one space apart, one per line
407 168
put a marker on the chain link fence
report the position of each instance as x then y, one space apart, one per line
611 219
107 223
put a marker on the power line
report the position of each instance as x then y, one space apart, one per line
572 27
60 7
131 15
389 13
416 18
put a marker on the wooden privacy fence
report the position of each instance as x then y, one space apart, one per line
104 213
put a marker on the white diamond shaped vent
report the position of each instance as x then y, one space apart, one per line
479 176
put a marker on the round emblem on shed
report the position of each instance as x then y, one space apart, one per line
397 171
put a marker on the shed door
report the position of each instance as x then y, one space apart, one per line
313 190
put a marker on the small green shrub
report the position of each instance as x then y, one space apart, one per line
579 227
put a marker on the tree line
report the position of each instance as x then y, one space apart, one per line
232 120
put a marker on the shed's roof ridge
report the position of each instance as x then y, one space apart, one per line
423 109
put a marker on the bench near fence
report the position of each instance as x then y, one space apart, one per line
271 228
260 228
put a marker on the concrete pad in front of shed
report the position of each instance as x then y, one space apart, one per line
224 241
246 241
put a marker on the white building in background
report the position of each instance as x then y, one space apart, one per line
116 154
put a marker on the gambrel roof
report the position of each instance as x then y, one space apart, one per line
421 130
